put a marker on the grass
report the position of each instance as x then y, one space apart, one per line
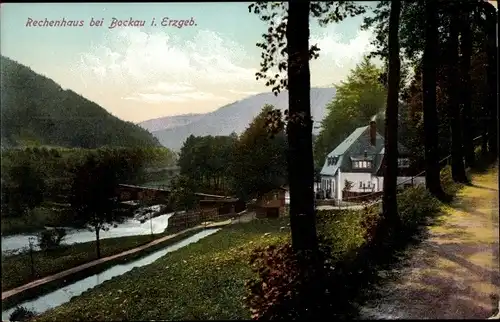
16 269
59 283
206 280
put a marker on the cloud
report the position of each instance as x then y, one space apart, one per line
338 56
139 59
177 97
160 67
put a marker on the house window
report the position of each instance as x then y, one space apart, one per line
404 163
362 164
332 161
361 185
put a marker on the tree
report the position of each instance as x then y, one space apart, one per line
299 130
93 194
432 167
457 156
348 185
286 46
491 26
22 189
389 201
357 101
259 162
205 160
182 193
465 66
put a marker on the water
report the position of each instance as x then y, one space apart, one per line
64 294
131 227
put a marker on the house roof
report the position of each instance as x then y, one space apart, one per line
354 147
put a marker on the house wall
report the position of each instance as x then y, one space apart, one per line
338 185
329 183
356 178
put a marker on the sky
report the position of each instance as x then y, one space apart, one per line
144 72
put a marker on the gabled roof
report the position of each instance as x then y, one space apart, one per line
346 144
354 147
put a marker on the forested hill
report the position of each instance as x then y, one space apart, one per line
36 110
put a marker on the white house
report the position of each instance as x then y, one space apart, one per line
359 159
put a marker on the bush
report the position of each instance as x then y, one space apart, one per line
282 291
51 239
22 314
415 205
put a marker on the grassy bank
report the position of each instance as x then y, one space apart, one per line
16 269
50 286
206 280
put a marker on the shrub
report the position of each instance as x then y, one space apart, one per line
282 291
369 224
415 205
22 314
51 239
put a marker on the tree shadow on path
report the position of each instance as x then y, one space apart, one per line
454 273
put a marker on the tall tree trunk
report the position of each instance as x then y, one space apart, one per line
97 242
432 167
465 64
457 156
491 76
299 128
389 201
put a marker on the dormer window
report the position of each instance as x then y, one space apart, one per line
367 164
403 163
332 161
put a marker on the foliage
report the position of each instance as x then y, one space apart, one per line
281 291
259 161
246 166
274 52
358 99
206 160
22 189
348 185
37 111
182 194
415 205
22 314
50 239
411 37
36 182
16 269
93 194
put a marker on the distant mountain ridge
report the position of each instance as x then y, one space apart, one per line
169 122
234 117
35 110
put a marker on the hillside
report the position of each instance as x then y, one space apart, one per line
36 110
169 122
234 117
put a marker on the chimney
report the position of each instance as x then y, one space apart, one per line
373 132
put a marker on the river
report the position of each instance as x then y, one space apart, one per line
130 227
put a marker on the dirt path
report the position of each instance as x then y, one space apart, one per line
454 274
